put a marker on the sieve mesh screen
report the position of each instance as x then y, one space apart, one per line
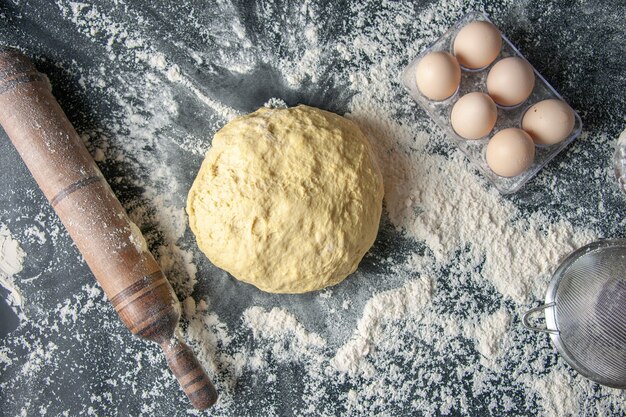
590 314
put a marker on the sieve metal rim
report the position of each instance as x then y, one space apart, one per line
549 309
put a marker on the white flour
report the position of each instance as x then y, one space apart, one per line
489 336
405 303
435 328
11 263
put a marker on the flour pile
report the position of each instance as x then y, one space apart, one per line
11 263
430 322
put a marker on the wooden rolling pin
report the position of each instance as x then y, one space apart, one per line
110 243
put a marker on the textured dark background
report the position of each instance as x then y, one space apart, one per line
552 35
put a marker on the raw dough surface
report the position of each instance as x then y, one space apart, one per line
288 200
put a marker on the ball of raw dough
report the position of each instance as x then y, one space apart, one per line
288 200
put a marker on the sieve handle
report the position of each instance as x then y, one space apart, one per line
528 325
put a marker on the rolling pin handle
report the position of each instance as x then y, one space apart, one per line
190 374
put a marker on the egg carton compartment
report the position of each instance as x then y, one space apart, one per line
476 80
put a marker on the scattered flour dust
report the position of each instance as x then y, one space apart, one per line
11 263
275 323
402 304
423 344
489 335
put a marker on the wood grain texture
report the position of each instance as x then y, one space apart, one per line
188 371
69 178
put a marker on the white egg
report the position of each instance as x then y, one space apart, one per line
477 44
510 152
549 121
510 81
474 115
438 75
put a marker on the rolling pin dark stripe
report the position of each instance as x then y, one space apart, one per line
144 330
136 287
146 292
11 84
200 395
72 188
190 362
193 381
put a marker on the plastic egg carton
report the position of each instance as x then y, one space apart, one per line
476 80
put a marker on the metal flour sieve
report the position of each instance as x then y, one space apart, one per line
585 311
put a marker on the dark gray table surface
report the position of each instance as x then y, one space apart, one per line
552 35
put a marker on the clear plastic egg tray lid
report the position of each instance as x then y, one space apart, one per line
476 80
